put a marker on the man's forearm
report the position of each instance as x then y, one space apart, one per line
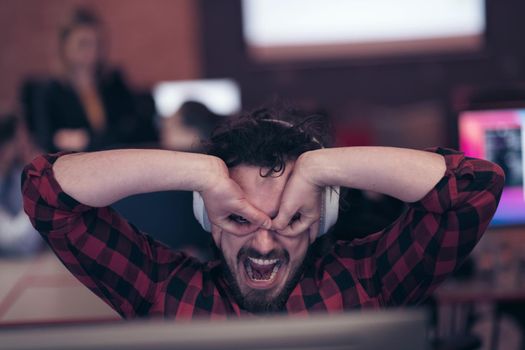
101 178
405 174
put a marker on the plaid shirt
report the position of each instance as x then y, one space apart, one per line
400 265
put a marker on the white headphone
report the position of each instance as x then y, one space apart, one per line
329 205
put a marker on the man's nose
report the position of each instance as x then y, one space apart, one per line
264 241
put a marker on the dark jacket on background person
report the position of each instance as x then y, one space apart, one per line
124 124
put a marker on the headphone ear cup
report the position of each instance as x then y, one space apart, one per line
199 211
329 209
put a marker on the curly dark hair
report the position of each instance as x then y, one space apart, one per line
268 138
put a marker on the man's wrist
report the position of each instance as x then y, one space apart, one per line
214 171
310 166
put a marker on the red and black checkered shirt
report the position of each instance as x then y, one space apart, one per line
400 265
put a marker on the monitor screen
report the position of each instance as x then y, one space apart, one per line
221 96
303 29
499 136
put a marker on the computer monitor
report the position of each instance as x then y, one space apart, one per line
499 136
355 330
310 29
221 96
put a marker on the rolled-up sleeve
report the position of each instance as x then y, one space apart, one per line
406 261
123 266
439 231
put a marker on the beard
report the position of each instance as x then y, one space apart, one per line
257 300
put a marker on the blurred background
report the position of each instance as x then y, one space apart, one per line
98 74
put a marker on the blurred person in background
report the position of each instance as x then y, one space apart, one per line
89 106
17 235
186 130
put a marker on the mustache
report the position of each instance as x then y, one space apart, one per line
280 254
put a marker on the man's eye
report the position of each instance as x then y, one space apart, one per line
294 218
238 219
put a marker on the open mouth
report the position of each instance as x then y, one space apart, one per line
262 270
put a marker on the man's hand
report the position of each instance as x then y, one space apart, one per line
300 208
228 208
101 178
401 173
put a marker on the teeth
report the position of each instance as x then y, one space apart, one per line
274 272
263 261
272 276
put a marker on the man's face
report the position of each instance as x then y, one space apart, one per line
263 265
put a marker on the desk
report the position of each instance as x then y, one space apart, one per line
40 290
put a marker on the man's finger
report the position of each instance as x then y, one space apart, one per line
256 217
236 229
282 220
296 227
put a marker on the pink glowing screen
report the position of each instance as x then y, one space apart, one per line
499 136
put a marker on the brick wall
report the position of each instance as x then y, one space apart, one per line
151 40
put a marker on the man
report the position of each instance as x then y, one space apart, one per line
261 183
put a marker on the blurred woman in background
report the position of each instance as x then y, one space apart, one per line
88 106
